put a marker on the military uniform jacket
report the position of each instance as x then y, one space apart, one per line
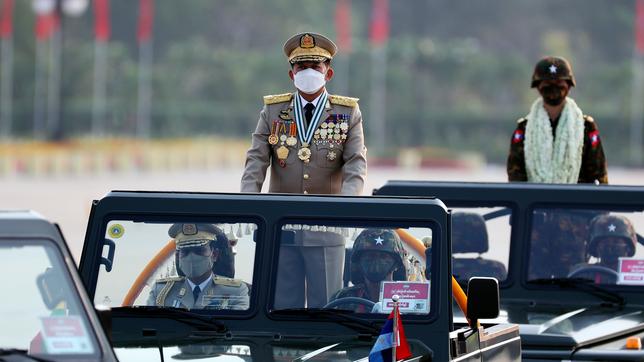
359 291
337 164
221 293
593 163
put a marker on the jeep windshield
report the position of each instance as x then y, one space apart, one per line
599 245
331 265
48 322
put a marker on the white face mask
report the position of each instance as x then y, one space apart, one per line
309 80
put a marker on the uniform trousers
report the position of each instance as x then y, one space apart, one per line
308 276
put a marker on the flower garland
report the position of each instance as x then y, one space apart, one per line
558 160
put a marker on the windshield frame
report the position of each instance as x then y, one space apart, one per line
171 218
352 222
55 253
597 207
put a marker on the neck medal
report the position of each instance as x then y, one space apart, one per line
306 134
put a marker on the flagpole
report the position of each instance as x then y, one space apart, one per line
6 89
39 124
394 338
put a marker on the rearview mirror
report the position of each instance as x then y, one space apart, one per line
51 288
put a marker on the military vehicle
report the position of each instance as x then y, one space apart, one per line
45 312
143 251
568 259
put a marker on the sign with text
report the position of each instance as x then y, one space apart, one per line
631 271
65 335
413 296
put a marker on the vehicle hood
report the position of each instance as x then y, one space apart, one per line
577 327
249 350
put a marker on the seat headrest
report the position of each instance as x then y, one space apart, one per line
469 233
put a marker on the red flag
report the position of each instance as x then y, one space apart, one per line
146 17
46 25
639 26
6 19
343 24
102 20
379 29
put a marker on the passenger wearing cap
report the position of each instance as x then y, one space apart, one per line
611 237
197 286
556 142
313 143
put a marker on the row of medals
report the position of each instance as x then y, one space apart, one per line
328 132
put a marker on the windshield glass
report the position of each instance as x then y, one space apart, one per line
179 263
600 245
353 267
480 242
40 310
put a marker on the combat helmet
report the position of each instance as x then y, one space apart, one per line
385 240
611 226
202 234
552 68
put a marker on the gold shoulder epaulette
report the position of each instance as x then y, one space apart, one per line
522 119
277 98
343 101
588 118
229 282
169 279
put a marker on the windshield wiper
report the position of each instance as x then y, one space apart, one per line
344 317
21 352
585 285
199 321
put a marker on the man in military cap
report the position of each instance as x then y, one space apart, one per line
197 287
378 255
556 142
314 144
611 237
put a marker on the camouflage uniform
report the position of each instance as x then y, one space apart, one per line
381 240
558 241
593 162
469 235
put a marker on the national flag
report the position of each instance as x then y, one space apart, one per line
518 136
594 138
343 24
382 349
379 26
639 26
146 19
6 19
46 25
102 20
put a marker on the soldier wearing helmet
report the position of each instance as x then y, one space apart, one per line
556 142
378 255
201 249
611 237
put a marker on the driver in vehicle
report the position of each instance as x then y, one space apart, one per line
197 286
378 255
611 237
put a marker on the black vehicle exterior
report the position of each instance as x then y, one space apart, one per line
261 332
578 319
46 313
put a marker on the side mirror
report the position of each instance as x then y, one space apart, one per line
482 298
51 288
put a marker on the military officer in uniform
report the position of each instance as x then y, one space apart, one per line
313 142
556 142
197 287
378 255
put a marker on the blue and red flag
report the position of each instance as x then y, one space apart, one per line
382 349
